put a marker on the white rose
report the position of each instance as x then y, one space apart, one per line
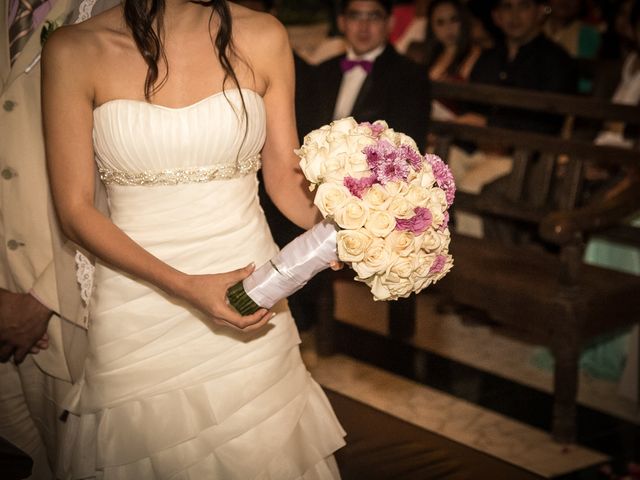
380 223
422 262
329 197
390 135
358 142
401 243
400 208
312 163
416 195
398 286
356 165
352 244
406 140
377 197
425 177
433 241
316 137
352 215
379 289
437 199
396 188
376 259
343 125
402 267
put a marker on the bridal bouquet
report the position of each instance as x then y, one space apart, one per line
386 215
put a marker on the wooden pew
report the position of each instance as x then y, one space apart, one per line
541 293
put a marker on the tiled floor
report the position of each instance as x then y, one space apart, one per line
473 386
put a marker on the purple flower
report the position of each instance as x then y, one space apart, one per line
413 157
443 177
357 186
416 224
386 162
438 264
445 222
376 128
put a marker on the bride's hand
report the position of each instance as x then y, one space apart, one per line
208 293
336 265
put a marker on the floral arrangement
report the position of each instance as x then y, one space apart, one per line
389 202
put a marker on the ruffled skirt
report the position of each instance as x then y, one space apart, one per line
168 395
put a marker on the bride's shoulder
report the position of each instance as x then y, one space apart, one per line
257 32
86 41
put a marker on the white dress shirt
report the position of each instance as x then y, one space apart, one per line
352 81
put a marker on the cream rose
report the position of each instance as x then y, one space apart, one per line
406 140
396 188
313 163
376 259
352 244
352 215
378 289
399 207
356 165
401 243
402 267
330 197
433 241
380 223
416 195
377 197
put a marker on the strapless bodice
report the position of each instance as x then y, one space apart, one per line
212 139
180 176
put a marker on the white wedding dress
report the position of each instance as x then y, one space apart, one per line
166 394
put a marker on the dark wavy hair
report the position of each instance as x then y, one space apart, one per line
145 20
434 48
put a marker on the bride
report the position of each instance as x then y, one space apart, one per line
180 102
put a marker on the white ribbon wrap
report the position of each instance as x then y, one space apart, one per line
293 266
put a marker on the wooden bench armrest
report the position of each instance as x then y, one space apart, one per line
608 210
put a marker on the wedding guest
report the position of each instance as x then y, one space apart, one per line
414 31
177 104
42 328
524 59
566 26
372 81
448 52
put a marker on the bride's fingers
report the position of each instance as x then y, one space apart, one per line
245 323
240 274
336 265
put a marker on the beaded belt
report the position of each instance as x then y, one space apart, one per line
181 175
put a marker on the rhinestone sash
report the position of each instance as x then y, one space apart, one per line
181 175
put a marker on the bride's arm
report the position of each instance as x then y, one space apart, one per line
67 91
284 182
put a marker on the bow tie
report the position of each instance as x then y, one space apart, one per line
346 65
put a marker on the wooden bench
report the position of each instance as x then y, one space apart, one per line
542 292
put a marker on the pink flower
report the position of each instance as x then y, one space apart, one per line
438 264
445 222
413 157
443 177
386 162
357 186
416 224
376 128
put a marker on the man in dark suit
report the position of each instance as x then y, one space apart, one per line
371 81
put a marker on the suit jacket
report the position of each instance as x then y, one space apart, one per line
396 90
32 252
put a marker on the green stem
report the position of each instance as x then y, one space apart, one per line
239 300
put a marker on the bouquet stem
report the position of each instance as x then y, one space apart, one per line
242 302
286 272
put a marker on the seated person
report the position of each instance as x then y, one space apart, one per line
527 59
447 52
